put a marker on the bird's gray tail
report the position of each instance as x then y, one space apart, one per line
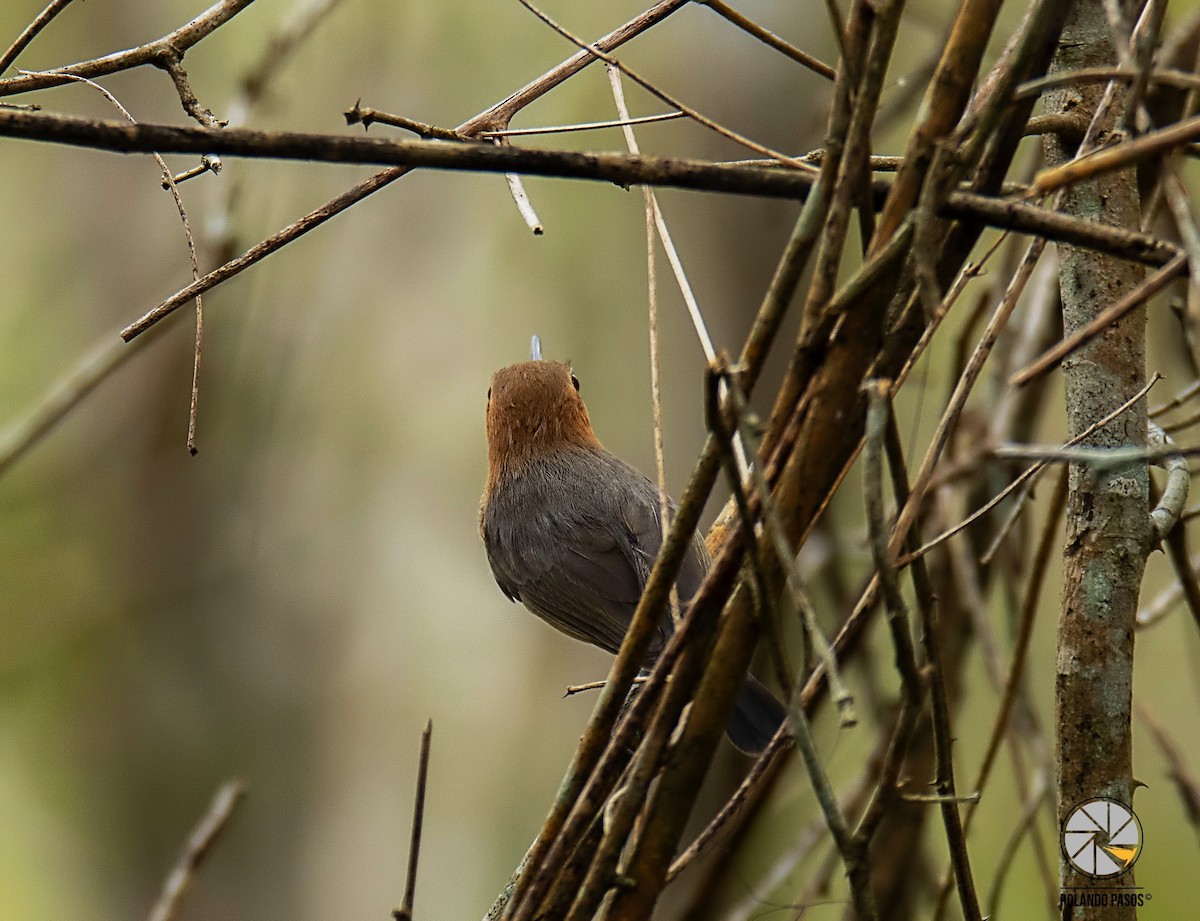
756 715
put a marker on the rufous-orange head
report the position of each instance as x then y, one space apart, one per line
534 407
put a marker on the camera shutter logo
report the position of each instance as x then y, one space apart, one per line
1101 838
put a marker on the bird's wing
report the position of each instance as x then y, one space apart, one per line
642 516
590 582
570 576
584 573
602 567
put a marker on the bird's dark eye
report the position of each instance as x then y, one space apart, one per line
575 382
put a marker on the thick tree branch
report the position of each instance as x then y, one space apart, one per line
621 169
1108 525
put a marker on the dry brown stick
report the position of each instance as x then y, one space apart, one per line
878 164
622 169
670 100
176 42
934 671
405 911
1177 79
1108 159
1066 126
1175 194
878 415
867 45
586 126
770 38
853 855
785 556
651 211
779 293
196 849
171 61
1151 285
945 101
848 54
1062 228
366 116
31 31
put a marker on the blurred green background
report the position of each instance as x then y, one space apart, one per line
290 606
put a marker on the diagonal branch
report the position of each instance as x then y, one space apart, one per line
177 42
31 32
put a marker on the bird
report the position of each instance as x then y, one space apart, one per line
571 531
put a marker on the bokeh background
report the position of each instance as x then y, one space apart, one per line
291 605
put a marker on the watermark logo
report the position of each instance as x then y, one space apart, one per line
1102 838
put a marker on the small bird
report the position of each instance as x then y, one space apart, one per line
571 531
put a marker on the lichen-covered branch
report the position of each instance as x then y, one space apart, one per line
1108 525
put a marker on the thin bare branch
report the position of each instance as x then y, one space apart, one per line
584 126
1117 156
405 911
651 209
691 113
1150 286
366 116
31 31
1025 475
750 27
198 845
169 182
621 169
1178 79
